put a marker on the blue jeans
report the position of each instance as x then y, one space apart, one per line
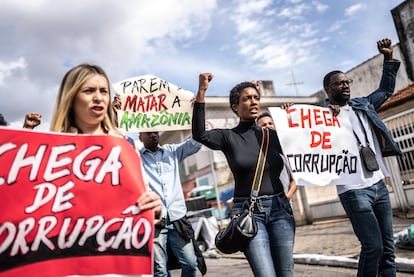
370 213
270 252
182 249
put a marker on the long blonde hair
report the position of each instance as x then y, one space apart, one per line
63 117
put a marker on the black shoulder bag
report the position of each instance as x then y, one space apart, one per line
242 227
366 153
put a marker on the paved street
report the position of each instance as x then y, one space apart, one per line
317 246
231 267
237 267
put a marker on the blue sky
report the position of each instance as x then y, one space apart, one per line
177 39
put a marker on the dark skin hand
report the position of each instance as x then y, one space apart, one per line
256 83
335 109
116 104
32 120
286 106
385 47
203 81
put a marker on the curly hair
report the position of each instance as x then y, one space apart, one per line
236 91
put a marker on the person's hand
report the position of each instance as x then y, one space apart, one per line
203 81
32 120
286 106
336 109
116 104
256 83
150 200
385 47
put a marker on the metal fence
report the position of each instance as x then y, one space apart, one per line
402 127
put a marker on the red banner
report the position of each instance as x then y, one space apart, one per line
67 206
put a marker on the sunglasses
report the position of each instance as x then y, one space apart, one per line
341 83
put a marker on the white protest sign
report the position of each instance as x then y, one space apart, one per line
320 147
152 104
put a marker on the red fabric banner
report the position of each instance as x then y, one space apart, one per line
67 206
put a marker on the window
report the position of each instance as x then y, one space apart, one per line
402 129
205 180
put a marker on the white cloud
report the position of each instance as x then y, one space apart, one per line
352 10
252 7
320 7
275 57
337 25
248 16
295 12
7 68
270 41
305 30
176 40
245 25
54 36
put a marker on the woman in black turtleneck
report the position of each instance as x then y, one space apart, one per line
270 253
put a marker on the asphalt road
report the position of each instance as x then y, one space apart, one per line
231 267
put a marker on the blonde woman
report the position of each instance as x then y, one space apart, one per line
83 106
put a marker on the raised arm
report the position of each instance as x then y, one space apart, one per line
203 81
389 75
198 121
211 138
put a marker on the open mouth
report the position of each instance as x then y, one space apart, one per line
254 110
98 110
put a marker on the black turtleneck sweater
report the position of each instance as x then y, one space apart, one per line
241 147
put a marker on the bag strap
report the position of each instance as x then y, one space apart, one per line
261 161
363 128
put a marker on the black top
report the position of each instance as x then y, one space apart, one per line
241 146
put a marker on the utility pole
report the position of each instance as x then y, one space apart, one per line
294 83
215 181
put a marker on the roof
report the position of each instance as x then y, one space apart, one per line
399 98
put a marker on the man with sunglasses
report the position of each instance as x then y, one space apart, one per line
367 204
